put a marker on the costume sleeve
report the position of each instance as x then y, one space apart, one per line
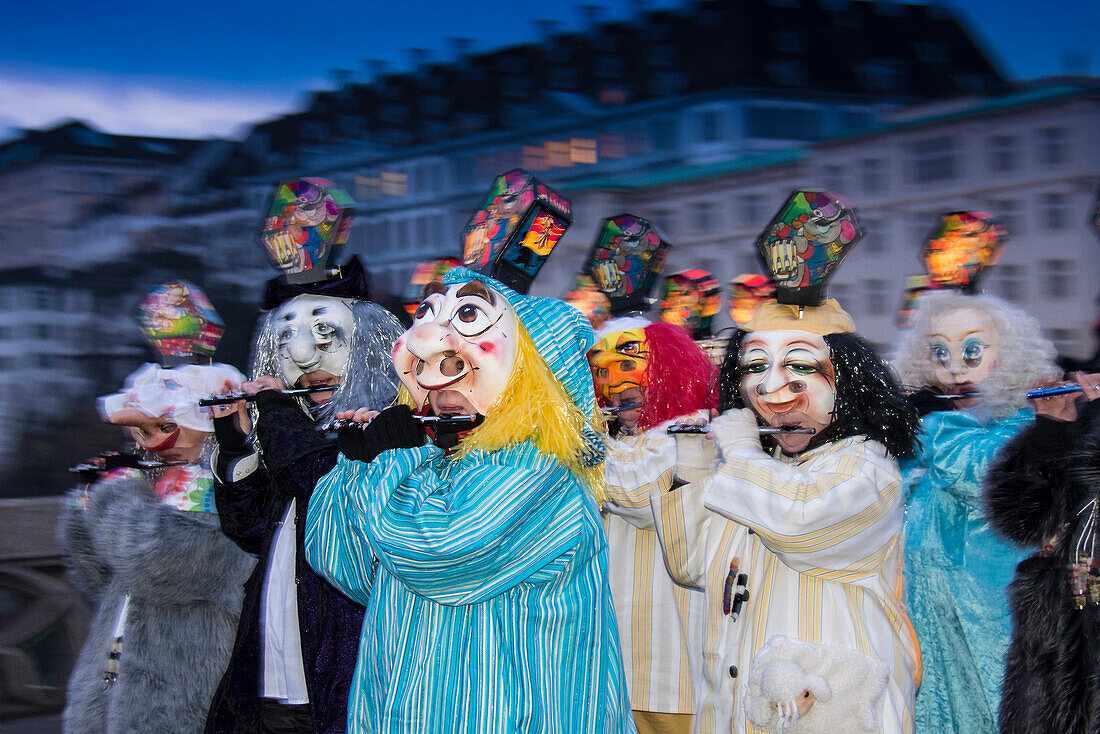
634 469
167 555
831 512
243 504
88 570
1027 490
457 539
295 452
682 524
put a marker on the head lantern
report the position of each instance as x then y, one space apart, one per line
309 218
746 293
180 323
626 262
423 274
318 328
691 300
517 227
797 361
587 298
955 256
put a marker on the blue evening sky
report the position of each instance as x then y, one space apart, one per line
209 67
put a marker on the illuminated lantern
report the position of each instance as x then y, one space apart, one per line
425 273
307 220
626 261
518 225
804 243
746 292
691 299
587 298
180 323
961 246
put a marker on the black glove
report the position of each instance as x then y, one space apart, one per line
230 440
927 400
393 428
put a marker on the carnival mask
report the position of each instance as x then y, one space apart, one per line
619 362
313 334
787 378
962 350
463 338
163 436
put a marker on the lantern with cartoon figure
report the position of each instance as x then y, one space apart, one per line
690 300
425 273
180 323
307 220
746 292
626 261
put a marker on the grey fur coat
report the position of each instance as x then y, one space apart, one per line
185 582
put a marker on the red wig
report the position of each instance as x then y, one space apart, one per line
680 377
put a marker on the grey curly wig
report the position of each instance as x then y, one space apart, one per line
1024 357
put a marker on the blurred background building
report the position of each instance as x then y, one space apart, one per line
701 119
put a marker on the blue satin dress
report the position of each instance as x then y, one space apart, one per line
957 572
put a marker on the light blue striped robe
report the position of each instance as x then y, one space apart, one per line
490 609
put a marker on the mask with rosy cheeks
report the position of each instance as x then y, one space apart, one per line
788 379
962 350
463 338
619 362
313 334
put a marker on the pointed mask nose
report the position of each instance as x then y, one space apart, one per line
302 349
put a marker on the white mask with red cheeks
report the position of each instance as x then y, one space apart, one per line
788 379
463 338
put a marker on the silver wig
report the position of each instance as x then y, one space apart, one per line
369 380
1025 356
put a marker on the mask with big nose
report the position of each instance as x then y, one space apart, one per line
463 338
313 334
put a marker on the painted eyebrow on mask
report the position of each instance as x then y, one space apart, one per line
477 288
434 287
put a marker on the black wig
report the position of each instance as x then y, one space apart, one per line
869 401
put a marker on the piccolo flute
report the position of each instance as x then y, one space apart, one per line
1041 392
764 430
250 397
429 420
620 408
140 464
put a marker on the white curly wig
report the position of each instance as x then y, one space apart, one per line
1025 355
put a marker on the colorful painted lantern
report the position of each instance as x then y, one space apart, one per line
961 246
587 298
180 322
518 225
308 219
746 292
626 261
804 243
425 273
691 300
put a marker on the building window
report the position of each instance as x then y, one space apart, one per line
834 178
1053 146
1008 213
1058 278
1011 283
710 126
1054 212
782 123
1003 153
876 295
874 236
935 159
1064 340
750 209
873 174
704 217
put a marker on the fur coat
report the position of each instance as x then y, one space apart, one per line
1040 481
184 578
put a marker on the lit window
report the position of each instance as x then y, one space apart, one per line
557 154
394 184
582 150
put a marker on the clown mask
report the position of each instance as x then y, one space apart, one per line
463 340
962 352
163 436
788 379
313 334
619 363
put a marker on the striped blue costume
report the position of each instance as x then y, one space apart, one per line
484 578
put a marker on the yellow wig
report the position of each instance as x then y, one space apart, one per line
534 407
